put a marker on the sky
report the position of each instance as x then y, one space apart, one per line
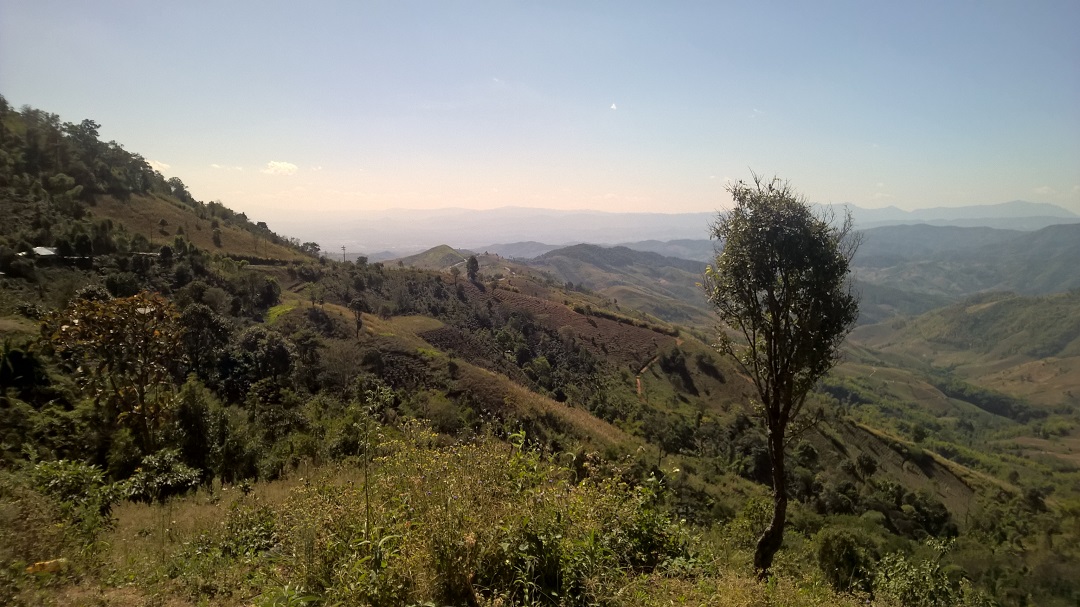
320 111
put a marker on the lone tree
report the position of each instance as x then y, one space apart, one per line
781 281
472 267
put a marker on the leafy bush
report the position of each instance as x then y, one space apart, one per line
846 559
922 583
80 490
250 529
161 476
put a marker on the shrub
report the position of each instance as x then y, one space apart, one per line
161 476
249 529
81 492
923 583
846 559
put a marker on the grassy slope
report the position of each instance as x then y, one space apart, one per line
493 393
142 214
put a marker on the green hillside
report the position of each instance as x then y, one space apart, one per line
665 287
1026 346
65 189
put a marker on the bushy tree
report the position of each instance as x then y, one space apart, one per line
781 282
206 334
472 267
123 351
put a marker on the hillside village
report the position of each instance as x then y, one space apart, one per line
195 409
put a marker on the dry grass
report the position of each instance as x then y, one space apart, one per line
142 214
17 326
728 589
1066 448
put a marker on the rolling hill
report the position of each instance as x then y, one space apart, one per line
665 287
437 259
1026 346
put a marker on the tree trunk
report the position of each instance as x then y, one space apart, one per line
770 541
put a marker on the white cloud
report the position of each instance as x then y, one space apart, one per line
220 167
275 167
881 196
1045 190
317 168
613 106
158 166
880 185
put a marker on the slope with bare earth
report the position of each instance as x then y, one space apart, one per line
408 360
900 461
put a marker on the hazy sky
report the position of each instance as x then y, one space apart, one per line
313 108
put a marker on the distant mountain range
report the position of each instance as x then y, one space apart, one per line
530 232
1015 215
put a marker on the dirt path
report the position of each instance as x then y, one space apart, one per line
640 392
642 372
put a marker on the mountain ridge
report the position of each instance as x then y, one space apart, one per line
406 231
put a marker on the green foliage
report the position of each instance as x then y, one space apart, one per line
286 596
249 529
846 559
472 267
746 528
781 282
83 495
470 521
23 372
923 582
161 476
124 352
